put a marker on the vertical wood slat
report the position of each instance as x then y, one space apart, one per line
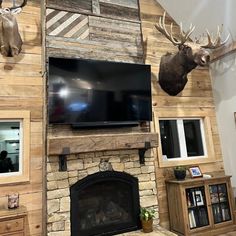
22 89
95 7
196 96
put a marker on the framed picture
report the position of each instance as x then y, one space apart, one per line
198 199
195 172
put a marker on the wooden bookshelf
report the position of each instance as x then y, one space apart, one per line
199 206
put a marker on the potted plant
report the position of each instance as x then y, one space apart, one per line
180 172
146 217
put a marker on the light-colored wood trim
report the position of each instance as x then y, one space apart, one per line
91 143
25 117
6 213
210 157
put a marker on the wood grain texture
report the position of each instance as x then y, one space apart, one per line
179 217
22 89
66 24
119 11
196 97
108 39
124 3
92 143
71 5
95 7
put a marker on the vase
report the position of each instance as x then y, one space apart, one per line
180 174
147 225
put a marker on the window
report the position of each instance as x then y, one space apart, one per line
14 146
10 142
184 140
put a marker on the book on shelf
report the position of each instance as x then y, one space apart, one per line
217 214
192 221
225 214
203 219
188 199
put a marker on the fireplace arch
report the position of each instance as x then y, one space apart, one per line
105 203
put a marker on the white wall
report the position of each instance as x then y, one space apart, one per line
223 75
204 14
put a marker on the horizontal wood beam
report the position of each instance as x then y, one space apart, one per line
92 143
223 51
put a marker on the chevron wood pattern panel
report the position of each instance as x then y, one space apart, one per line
67 24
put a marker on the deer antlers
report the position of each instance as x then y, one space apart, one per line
185 36
15 7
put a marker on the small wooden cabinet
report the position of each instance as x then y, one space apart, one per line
12 222
201 206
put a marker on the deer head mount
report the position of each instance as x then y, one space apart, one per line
175 67
10 39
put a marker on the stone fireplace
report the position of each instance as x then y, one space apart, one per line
100 191
104 202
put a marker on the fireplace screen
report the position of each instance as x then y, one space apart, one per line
105 203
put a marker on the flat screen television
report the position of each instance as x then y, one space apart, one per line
97 93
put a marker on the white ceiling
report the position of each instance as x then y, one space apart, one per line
203 14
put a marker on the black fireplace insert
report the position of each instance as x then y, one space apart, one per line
105 203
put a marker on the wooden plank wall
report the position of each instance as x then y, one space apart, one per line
197 95
22 89
110 30
94 29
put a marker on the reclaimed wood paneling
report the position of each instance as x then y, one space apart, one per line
71 5
22 88
117 10
123 3
197 95
66 24
92 37
102 29
93 50
99 142
120 9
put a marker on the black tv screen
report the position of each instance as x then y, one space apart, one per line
92 92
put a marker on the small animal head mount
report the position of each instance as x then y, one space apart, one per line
175 67
10 39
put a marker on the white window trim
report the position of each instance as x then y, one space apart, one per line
208 147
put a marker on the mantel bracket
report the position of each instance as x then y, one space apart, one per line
141 152
63 159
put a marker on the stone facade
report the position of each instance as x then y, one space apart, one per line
82 165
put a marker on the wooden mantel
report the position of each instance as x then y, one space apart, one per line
104 142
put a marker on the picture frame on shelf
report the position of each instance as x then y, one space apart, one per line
195 171
199 198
